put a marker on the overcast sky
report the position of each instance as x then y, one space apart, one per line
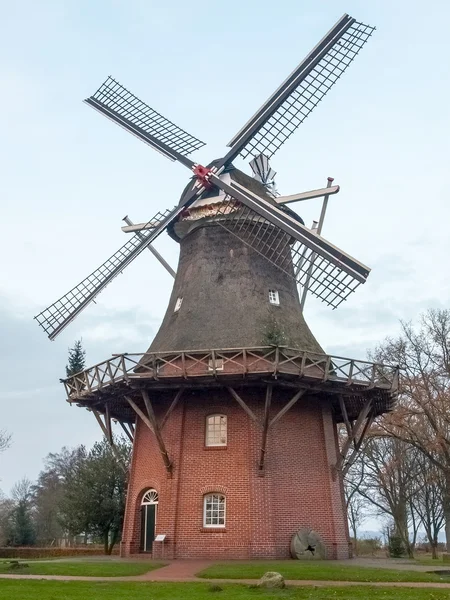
68 176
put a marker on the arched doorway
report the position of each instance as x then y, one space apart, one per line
149 509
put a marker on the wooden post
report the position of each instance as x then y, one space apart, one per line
172 406
108 424
287 406
262 454
110 439
243 405
157 431
127 432
139 412
352 457
366 409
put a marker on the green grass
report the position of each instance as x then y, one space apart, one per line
325 571
77 590
87 569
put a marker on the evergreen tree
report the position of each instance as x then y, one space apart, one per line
95 486
22 532
77 358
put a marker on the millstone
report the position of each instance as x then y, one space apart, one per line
306 544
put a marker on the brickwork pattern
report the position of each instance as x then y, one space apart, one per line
298 487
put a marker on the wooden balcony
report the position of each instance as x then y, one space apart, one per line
350 379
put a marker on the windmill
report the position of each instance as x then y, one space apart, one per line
319 266
232 410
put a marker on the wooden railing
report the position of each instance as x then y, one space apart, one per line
226 363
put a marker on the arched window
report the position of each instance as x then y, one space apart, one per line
214 510
149 509
216 430
150 497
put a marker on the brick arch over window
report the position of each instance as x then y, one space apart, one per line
211 489
149 486
214 510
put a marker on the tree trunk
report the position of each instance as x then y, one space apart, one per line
355 542
105 542
114 538
447 510
434 553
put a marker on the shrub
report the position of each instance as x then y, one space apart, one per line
396 549
9 552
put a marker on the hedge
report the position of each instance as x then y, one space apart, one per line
32 552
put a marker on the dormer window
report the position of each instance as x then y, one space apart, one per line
178 304
274 297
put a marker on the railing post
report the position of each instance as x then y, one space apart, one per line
124 367
350 372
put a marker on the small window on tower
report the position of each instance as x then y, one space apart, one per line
274 297
216 430
178 304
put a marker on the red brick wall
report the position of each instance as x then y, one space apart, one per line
262 513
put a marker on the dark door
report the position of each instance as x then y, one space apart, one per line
148 523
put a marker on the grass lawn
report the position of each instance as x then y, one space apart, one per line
313 570
87 569
77 590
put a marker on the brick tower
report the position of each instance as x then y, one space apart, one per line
235 407
233 410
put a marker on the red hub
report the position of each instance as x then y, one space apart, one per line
203 173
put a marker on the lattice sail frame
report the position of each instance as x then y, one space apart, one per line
115 97
58 315
306 96
325 280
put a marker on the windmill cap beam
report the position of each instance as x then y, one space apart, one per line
334 189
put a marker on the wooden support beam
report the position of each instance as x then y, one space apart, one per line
366 409
345 415
267 404
243 405
139 412
108 436
127 432
171 407
287 406
108 423
353 455
157 431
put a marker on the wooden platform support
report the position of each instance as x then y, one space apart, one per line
106 428
128 431
243 405
157 431
266 422
266 425
150 420
355 435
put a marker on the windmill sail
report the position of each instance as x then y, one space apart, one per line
332 275
302 91
58 315
127 110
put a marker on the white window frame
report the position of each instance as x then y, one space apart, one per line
178 304
215 364
217 427
274 297
206 517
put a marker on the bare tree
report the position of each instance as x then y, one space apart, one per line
389 483
5 440
356 504
422 417
428 501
